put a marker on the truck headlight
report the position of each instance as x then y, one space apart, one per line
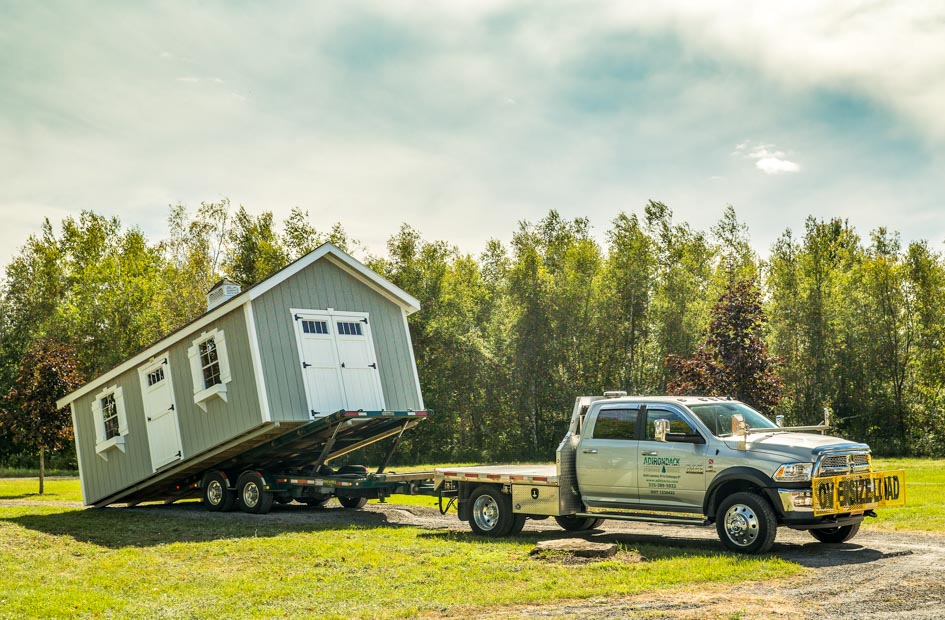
794 472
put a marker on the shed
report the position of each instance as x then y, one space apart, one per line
321 335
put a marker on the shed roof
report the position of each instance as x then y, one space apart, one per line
327 251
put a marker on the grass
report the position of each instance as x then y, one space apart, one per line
60 561
925 502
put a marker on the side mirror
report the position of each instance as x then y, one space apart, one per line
738 424
779 420
660 428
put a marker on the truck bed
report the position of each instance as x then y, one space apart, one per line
535 475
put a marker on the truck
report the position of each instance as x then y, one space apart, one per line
682 460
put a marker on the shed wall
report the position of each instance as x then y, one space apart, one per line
320 286
200 430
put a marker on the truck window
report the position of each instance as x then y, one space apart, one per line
616 424
676 423
718 417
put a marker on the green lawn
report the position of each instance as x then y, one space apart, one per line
58 560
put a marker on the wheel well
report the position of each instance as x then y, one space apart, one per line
727 488
465 490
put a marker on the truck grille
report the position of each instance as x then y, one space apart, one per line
840 464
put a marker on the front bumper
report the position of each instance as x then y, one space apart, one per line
797 511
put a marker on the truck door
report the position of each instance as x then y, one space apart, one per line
607 457
671 476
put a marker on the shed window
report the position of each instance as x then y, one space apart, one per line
156 376
315 327
111 423
209 367
349 329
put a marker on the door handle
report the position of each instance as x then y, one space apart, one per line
589 451
649 453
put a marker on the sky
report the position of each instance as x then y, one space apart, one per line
464 118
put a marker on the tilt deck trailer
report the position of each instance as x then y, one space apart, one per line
294 466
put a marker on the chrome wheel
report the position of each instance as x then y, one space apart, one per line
215 492
250 495
741 525
486 512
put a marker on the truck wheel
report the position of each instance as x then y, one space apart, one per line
578 524
746 523
352 502
491 513
216 496
518 524
839 534
252 495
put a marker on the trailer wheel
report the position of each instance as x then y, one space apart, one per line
491 513
578 524
746 523
252 495
216 496
352 502
838 534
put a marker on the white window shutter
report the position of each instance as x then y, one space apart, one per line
224 359
99 422
120 407
196 372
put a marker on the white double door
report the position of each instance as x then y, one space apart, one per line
339 364
160 412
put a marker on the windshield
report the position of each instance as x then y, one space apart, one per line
718 417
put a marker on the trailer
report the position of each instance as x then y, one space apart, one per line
296 467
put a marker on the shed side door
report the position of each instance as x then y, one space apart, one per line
359 372
321 370
160 412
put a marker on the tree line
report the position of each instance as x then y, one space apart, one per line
507 338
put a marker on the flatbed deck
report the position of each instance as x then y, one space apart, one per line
536 475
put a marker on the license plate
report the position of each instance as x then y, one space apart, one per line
858 492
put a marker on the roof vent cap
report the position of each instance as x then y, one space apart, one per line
221 292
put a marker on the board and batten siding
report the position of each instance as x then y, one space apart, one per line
320 286
200 430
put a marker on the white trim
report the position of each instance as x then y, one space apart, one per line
102 445
257 361
352 266
202 394
413 360
78 453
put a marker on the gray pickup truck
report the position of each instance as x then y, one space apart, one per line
682 460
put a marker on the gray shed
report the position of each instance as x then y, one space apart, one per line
323 334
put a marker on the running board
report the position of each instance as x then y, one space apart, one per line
644 517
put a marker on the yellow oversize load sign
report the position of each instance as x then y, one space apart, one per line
858 492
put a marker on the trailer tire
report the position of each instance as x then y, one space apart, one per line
490 512
746 523
352 502
578 524
216 496
252 495
840 534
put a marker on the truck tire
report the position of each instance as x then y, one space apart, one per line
352 502
838 534
491 512
746 523
578 524
251 494
216 496
517 525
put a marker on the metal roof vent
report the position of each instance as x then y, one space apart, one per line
221 292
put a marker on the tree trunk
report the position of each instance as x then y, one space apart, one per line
42 468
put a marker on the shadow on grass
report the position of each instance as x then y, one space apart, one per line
666 546
153 525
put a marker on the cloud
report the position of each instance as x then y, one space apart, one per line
766 156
